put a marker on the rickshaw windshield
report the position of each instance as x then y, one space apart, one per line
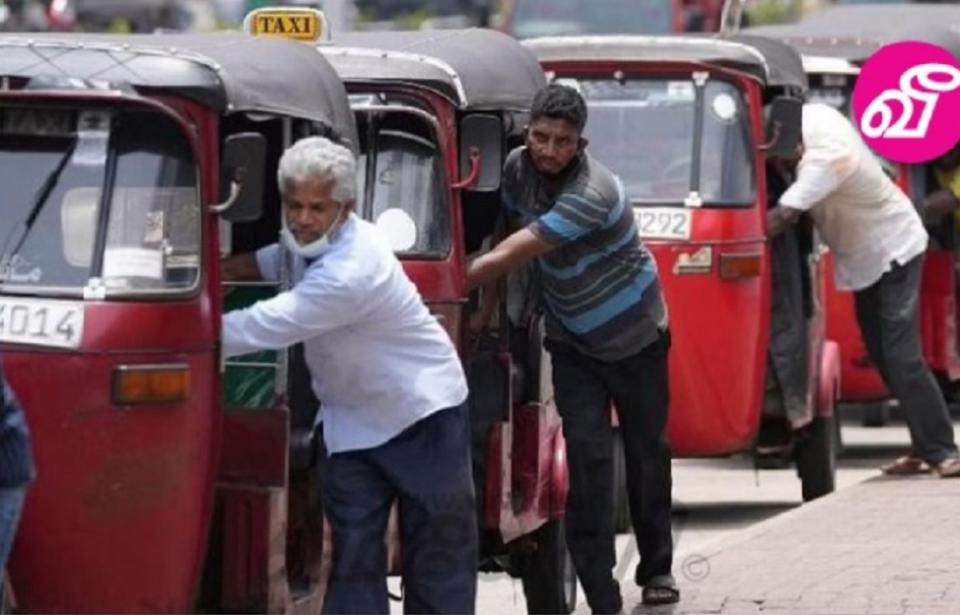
401 178
60 236
557 17
644 130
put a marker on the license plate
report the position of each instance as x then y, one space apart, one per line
663 222
41 323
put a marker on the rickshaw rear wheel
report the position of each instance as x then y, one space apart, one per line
817 458
621 499
547 573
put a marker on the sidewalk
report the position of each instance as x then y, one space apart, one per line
883 547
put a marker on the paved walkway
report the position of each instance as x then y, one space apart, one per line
883 547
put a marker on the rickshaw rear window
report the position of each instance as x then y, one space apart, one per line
403 173
644 129
56 236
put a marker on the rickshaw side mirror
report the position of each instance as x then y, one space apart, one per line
481 133
783 127
242 170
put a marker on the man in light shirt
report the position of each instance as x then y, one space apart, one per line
390 382
878 241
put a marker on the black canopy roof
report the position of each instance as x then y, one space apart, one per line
474 68
855 31
225 71
770 61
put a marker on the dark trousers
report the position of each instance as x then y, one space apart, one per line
888 315
427 469
584 388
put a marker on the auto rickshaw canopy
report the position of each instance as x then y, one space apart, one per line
854 32
770 61
476 69
227 72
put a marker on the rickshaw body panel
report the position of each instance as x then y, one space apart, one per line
113 480
117 520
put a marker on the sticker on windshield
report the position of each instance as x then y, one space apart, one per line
681 90
724 107
93 137
36 122
132 262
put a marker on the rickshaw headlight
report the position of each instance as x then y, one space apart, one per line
151 384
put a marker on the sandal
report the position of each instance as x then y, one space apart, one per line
906 466
661 589
948 468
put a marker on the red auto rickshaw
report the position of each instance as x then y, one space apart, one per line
834 43
130 164
681 121
436 114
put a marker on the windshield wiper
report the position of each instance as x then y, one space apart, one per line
39 200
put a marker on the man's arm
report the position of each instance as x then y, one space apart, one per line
510 253
241 267
779 218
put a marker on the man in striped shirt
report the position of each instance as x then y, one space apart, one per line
606 330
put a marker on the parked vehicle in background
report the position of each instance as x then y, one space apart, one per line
532 18
681 121
168 481
435 125
834 43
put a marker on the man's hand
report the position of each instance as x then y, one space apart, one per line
779 218
939 204
509 254
240 267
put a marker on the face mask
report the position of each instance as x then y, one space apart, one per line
316 248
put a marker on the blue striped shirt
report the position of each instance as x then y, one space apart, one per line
600 287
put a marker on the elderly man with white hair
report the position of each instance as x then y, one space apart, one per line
391 387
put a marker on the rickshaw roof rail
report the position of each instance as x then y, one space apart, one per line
228 72
476 69
770 61
854 32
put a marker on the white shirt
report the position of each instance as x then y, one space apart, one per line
379 360
864 218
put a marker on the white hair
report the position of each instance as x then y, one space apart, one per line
319 158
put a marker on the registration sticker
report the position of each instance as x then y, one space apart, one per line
663 222
40 322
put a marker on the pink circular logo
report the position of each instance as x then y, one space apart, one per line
907 100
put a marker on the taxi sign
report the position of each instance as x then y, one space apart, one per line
297 23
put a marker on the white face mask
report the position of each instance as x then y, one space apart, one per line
316 248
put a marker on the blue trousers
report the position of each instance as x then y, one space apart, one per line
427 470
11 503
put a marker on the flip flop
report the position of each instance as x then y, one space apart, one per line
661 589
907 465
948 468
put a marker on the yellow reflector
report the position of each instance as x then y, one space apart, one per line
735 266
150 384
297 23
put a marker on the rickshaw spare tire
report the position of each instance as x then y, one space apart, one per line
817 458
547 573
621 499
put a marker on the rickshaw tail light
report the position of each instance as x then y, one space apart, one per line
150 384
737 266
